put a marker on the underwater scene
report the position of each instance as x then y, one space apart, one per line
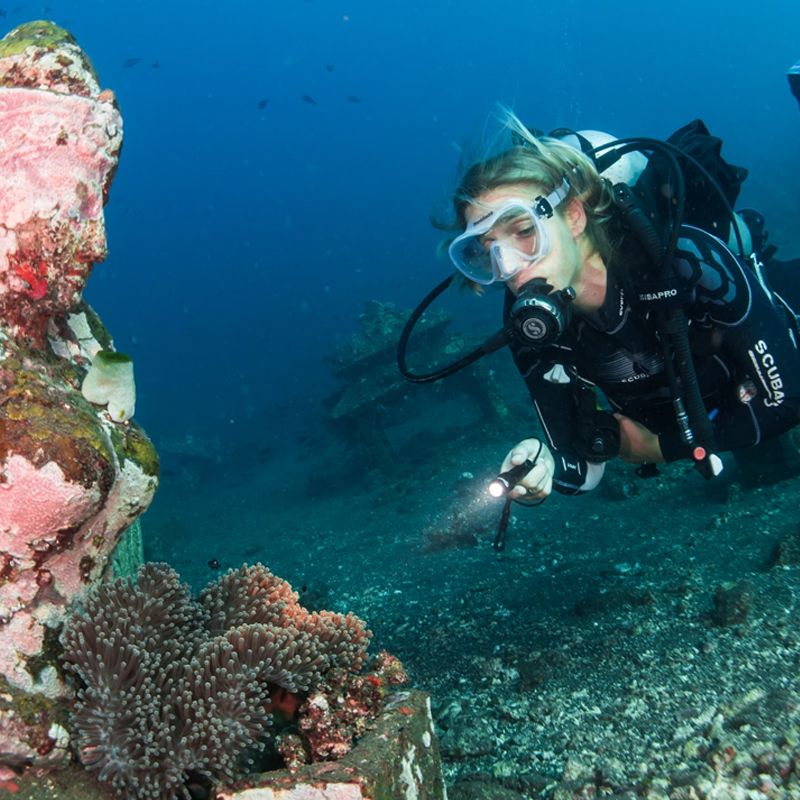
391 400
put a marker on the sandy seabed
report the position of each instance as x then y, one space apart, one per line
642 640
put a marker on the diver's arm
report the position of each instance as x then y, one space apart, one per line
553 395
638 444
555 406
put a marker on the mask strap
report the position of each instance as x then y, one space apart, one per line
543 206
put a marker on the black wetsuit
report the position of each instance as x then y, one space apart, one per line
741 343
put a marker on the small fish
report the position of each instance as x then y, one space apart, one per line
134 340
2 12
46 10
263 103
155 65
131 62
306 98
353 99
214 564
329 67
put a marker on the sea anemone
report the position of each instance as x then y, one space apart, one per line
173 686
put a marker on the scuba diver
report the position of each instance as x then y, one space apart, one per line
794 80
639 329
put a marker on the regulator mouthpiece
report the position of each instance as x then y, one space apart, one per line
540 316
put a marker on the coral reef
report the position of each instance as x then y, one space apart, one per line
175 687
71 478
339 711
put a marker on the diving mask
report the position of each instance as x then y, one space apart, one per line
506 239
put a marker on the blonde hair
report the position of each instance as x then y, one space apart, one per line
544 163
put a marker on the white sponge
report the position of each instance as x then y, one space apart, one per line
110 381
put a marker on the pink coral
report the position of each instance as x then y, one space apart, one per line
38 502
52 201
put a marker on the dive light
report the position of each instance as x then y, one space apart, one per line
506 481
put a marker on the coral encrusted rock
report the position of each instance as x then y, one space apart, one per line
71 478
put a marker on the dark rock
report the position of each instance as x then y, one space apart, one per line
785 552
732 603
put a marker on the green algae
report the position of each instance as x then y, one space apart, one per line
45 35
40 33
139 448
112 357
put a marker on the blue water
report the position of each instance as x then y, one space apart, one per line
245 238
245 241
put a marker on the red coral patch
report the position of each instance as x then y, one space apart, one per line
34 275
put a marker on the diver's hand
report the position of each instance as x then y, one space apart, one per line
638 445
538 483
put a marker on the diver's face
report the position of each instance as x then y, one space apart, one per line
561 265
